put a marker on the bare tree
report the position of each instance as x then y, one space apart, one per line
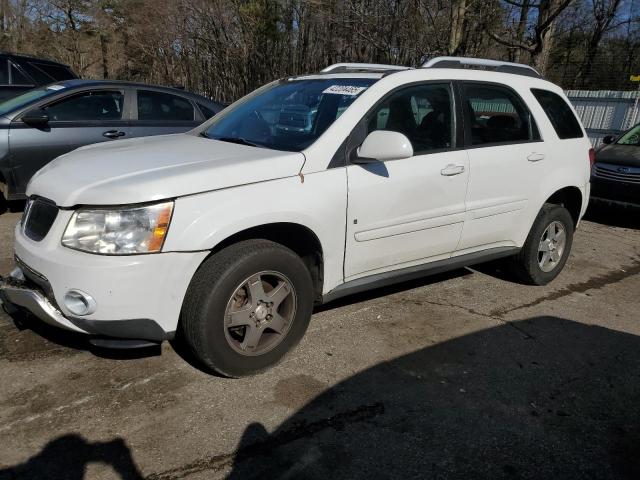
540 43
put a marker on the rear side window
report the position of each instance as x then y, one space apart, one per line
559 113
38 75
56 72
496 115
161 106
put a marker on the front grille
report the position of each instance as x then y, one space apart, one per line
617 172
39 216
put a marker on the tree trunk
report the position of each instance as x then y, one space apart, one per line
522 29
540 55
458 14
103 51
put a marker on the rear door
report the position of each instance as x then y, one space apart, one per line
81 118
159 112
507 162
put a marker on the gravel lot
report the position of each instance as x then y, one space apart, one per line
463 375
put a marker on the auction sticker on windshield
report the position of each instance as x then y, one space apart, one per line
344 90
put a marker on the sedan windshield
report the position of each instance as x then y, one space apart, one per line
632 137
27 97
288 115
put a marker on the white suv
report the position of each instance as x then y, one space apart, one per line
308 189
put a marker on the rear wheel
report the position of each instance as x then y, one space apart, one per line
246 307
547 247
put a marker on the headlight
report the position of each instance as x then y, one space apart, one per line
119 231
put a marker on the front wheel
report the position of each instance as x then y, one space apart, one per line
547 247
246 307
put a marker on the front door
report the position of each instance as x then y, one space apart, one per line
80 119
409 211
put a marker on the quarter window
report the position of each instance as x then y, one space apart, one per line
206 111
496 115
17 78
560 115
162 106
87 106
422 113
4 72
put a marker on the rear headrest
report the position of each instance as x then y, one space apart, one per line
501 121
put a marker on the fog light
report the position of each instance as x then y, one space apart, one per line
79 303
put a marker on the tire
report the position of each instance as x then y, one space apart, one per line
227 287
526 265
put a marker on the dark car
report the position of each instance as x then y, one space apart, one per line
615 177
19 73
46 122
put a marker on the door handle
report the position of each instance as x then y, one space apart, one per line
113 134
451 170
535 157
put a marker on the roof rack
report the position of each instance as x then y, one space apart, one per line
482 64
362 67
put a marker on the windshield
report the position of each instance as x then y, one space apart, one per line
632 137
27 97
288 115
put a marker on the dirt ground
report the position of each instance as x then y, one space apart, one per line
463 375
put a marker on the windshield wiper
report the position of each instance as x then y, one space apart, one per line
238 140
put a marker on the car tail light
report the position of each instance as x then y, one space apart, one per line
592 157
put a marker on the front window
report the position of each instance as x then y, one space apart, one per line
288 115
421 112
632 137
87 106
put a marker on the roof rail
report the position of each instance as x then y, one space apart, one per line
361 67
482 64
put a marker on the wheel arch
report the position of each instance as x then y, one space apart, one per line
569 198
295 236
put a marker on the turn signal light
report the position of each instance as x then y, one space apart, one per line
592 157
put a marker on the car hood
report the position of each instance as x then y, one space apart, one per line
628 155
154 168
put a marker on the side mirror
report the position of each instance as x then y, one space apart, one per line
383 145
608 139
35 118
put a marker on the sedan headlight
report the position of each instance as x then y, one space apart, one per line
119 231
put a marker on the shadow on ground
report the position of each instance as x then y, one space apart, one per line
14 206
539 398
68 456
47 337
613 216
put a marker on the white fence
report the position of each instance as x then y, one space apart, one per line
606 112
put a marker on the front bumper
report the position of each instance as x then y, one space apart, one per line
14 292
137 296
615 191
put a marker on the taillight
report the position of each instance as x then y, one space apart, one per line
592 157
